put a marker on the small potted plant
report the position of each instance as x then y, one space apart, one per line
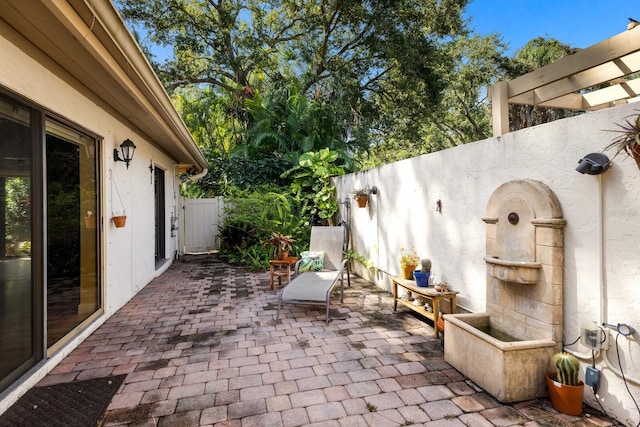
281 243
90 221
628 139
361 195
422 275
408 262
566 390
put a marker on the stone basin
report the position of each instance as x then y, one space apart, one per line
523 272
510 371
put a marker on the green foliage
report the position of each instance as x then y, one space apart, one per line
366 262
251 218
254 257
312 184
279 243
18 209
225 175
288 124
466 65
535 54
336 74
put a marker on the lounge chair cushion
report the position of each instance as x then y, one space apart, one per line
311 261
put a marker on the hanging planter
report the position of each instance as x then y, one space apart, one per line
361 196
362 201
118 220
90 221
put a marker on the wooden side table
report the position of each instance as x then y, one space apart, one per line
428 293
281 268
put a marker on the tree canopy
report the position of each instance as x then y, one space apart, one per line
261 82
376 62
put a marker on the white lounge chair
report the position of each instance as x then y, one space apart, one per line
314 287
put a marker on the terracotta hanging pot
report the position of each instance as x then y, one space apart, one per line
90 221
362 201
565 398
119 221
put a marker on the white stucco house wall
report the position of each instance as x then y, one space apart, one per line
74 85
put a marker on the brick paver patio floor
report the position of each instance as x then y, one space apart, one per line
200 346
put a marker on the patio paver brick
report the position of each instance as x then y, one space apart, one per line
200 347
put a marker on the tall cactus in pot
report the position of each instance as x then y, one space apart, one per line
567 367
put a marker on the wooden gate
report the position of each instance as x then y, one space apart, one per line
199 220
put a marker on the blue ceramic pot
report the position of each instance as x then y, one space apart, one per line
422 279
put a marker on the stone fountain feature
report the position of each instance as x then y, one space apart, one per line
507 349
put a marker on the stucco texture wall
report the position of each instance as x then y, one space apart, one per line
601 272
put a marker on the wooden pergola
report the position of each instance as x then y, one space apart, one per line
562 84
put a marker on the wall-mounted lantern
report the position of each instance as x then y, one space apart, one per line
593 164
128 148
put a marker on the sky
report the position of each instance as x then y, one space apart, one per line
578 23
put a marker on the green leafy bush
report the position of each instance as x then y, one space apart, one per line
251 218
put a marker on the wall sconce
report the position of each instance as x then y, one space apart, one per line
128 148
593 164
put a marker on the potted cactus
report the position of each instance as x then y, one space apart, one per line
566 390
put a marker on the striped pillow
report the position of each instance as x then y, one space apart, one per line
311 261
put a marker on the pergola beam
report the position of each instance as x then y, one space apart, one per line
559 85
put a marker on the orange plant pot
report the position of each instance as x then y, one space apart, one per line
565 398
90 221
119 221
440 323
635 153
362 201
407 272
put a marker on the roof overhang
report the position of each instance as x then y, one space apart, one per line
89 40
563 83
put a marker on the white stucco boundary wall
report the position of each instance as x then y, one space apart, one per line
601 268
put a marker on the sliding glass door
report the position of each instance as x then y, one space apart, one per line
73 293
20 297
49 235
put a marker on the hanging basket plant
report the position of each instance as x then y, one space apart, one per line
90 221
628 139
361 195
119 220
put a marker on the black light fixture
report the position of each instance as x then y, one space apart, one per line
128 148
593 164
